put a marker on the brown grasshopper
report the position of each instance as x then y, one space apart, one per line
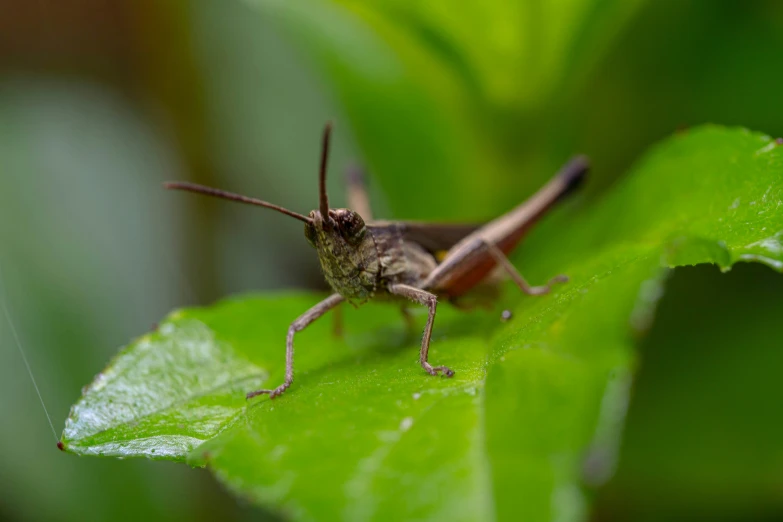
364 259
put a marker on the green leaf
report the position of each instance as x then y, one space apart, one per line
364 433
701 441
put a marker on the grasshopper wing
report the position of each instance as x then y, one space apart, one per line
435 238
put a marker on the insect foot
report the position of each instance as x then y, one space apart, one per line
447 372
272 393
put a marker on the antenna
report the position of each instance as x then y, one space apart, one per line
323 197
209 191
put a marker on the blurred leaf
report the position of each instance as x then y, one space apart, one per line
365 434
436 94
639 92
701 441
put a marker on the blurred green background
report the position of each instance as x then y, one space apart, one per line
458 112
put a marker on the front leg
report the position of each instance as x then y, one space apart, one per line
429 300
297 326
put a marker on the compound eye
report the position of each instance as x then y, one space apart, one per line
352 226
310 233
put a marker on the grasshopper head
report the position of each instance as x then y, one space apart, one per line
346 252
335 230
342 226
